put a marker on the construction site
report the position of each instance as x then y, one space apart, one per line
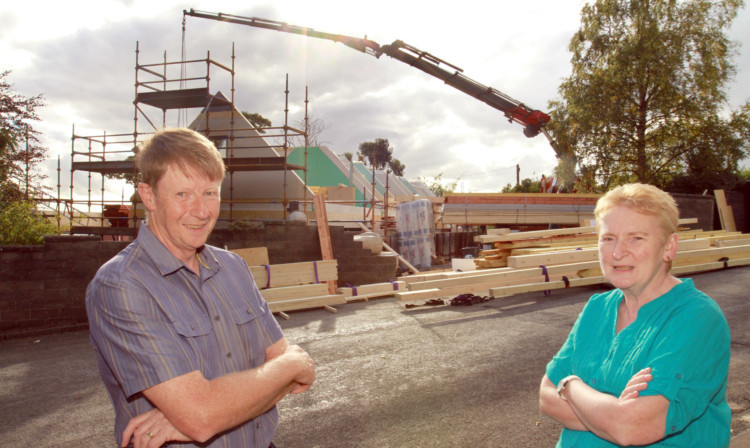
375 246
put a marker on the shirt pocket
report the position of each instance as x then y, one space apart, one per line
192 326
196 339
251 331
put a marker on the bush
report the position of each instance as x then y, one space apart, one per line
21 223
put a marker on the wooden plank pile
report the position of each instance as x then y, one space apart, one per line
507 244
552 259
371 291
295 286
518 208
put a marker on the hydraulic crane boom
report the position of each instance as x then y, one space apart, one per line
533 120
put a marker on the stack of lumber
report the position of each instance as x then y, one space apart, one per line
371 291
295 286
518 208
507 244
552 259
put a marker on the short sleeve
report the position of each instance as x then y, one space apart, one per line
690 363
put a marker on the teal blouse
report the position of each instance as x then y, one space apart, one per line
682 335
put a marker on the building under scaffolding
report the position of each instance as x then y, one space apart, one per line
168 87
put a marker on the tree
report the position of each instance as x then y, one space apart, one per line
377 154
21 223
20 147
439 187
526 186
645 99
315 127
258 121
397 167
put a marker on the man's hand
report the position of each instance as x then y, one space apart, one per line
306 376
637 383
151 430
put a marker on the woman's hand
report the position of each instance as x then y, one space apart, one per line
637 383
151 430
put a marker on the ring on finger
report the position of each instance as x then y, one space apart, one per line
150 436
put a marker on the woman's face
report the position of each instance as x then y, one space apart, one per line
632 250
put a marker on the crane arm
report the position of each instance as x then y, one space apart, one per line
534 121
364 45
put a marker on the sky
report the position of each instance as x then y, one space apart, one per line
81 56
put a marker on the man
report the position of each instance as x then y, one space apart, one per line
186 346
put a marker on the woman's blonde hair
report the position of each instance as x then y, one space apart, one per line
181 148
641 198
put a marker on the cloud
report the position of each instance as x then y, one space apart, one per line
85 70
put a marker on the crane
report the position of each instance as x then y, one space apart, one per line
532 120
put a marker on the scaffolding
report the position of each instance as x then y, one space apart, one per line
159 87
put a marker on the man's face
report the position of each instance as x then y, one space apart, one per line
183 208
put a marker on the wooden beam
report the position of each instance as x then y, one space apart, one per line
294 292
324 235
726 215
536 234
506 291
309 302
547 259
289 274
372 290
253 256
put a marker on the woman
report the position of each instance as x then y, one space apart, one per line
646 363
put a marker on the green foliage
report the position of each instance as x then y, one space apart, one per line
397 167
645 99
377 153
258 121
21 224
19 141
439 187
526 186
131 178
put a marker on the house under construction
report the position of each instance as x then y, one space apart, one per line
264 173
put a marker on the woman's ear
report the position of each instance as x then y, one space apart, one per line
670 249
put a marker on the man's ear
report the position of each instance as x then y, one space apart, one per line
148 196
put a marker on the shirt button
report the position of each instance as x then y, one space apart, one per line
593 381
678 376
229 355
216 317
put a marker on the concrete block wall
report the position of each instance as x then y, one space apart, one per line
290 242
42 288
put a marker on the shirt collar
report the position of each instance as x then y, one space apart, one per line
166 262
667 298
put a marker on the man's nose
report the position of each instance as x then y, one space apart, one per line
199 207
